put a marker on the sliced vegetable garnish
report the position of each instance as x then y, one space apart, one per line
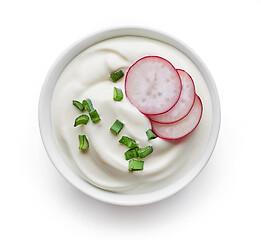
135 165
150 134
153 85
132 153
116 127
144 152
183 127
184 104
116 75
129 142
82 119
117 94
83 142
88 105
78 105
94 116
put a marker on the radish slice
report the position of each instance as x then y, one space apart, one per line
153 85
182 128
184 104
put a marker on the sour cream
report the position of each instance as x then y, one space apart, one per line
103 164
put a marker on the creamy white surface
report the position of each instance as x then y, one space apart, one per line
103 164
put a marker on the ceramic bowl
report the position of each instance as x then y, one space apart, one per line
49 138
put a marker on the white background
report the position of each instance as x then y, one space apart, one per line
223 202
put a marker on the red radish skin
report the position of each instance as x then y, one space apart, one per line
182 128
153 85
184 104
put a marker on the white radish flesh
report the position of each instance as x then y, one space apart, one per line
184 104
182 128
153 85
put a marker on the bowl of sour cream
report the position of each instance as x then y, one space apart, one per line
82 71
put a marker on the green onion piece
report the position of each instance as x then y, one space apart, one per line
117 94
130 143
144 152
83 142
88 105
116 127
78 105
116 75
82 119
132 153
135 165
150 134
94 116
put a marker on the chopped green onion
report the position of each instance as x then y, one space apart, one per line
94 116
150 134
117 94
135 165
88 105
132 153
144 152
116 75
130 143
78 105
83 142
116 127
82 119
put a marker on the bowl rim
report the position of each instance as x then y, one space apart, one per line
47 134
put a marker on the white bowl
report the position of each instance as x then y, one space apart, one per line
49 138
